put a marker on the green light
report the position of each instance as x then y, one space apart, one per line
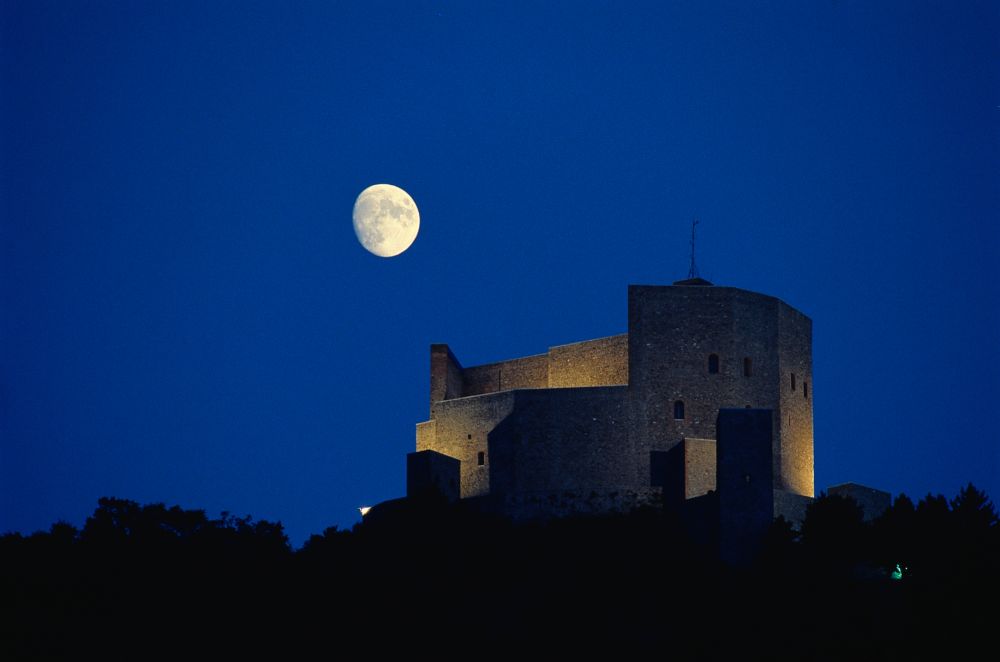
898 572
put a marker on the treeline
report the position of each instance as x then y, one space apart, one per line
139 581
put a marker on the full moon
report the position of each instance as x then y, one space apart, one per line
386 219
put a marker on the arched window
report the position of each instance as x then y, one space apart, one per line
793 381
679 410
805 389
747 367
713 364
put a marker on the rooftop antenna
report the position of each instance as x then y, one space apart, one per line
693 271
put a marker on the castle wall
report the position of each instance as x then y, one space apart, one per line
672 332
699 467
795 427
430 474
446 375
686 471
791 506
565 440
745 481
526 372
426 435
755 337
601 362
461 427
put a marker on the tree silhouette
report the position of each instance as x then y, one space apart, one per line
973 510
894 535
834 532
976 534
779 547
139 580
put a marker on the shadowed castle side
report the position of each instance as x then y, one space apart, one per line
611 424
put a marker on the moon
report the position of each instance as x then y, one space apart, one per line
386 220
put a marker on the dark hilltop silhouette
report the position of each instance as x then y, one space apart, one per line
918 582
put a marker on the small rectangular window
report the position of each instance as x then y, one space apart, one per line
481 459
747 367
805 389
793 381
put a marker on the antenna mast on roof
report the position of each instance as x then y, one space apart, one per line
693 271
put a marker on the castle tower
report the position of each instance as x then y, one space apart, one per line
695 349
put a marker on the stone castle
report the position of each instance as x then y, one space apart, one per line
708 396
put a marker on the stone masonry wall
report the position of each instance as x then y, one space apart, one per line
429 474
446 375
427 435
601 362
791 506
565 440
672 332
527 372
699 467
745 481
461 427
795 427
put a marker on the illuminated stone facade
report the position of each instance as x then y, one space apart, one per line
600 425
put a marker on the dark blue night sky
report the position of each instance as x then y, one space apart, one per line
187 317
